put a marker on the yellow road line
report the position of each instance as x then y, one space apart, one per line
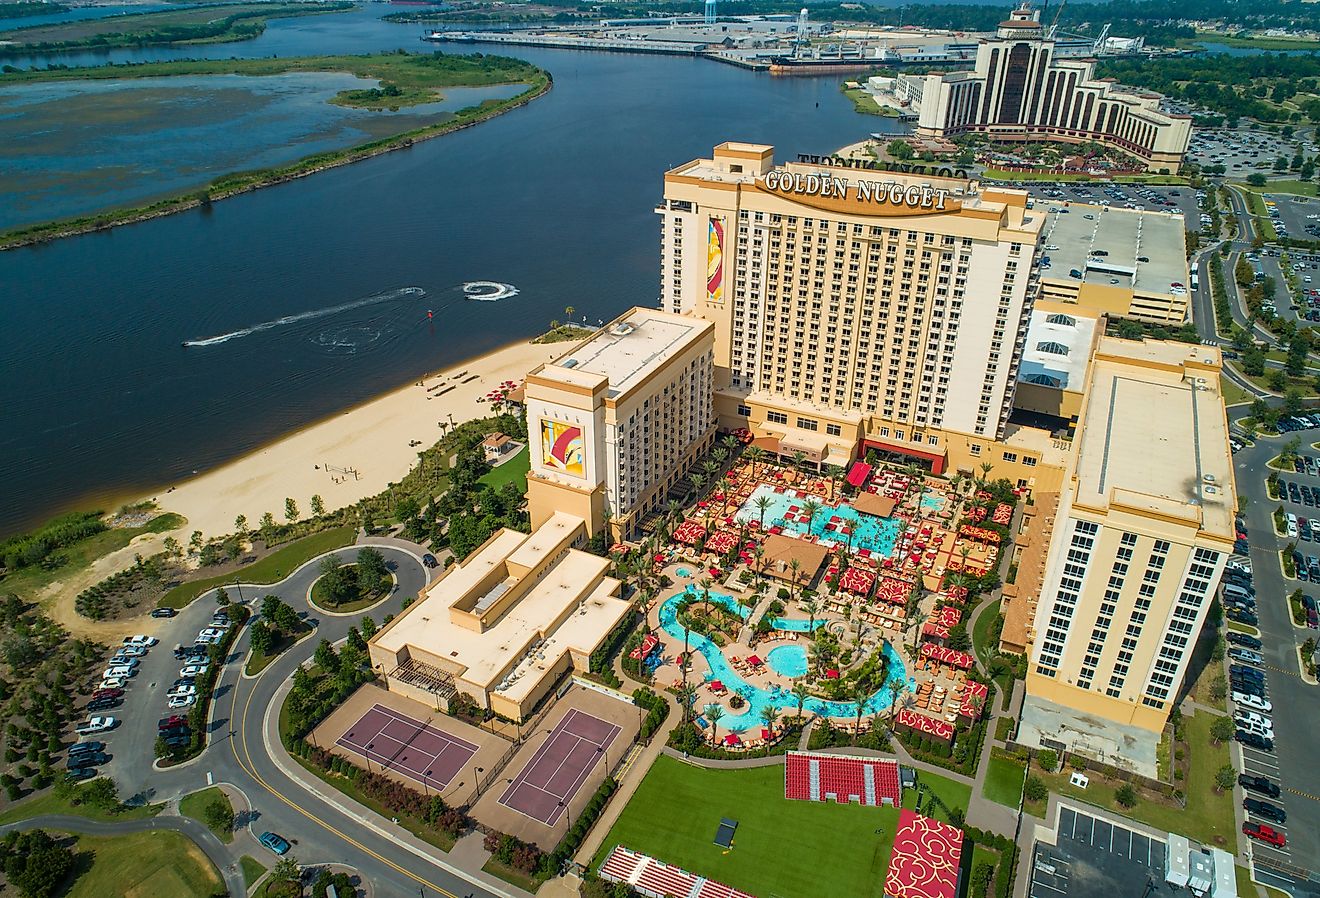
250 769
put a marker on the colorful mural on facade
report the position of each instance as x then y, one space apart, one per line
562 448
715 261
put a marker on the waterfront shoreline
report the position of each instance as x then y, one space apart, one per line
37 234
348 455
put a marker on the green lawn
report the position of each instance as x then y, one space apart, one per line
1297 188
512 471
195 805
271 569
259 661
371 599
253 869
998 174
27 582
1003 782
1232 393
144 865
981 642
50 803
801 848
953 794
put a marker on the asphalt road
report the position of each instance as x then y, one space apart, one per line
244 745
1296 703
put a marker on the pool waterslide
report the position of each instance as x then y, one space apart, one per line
779 698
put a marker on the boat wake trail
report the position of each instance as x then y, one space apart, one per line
306 316
489 291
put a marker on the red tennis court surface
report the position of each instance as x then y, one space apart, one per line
408 746
560 766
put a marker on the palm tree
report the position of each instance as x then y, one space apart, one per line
917 620
713 714
811 607
986 468
832 472
917 473
698 481
730 443
706 583
799 460
758 554
770 717
859 700
801 693
754 455
812 508
794 566
719 454
762 504
686 694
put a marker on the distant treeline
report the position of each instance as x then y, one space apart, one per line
23 10
1155 20
1232 86
28 549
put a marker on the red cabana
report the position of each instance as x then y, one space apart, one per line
921 723
974 700
893 590
948 616
858 474
926 858
1003 514
945 655
732 739
722 541
857 581
649 644
754 660
831 674
934 630
689 533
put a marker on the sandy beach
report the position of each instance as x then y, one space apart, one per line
371 439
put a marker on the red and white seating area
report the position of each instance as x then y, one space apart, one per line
843 778
660 880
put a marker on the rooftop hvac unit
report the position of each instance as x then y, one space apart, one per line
623 329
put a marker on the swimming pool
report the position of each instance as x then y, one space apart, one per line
868 532
932 501
776 696
683 572
788 660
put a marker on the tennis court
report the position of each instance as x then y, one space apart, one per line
410 747
548 782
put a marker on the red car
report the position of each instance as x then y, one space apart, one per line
107 693
173 720
1263 832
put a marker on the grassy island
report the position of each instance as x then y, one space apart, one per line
406 79
193 25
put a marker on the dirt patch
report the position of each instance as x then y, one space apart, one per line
57 599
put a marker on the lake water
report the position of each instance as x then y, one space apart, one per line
556 198
80 13
70 148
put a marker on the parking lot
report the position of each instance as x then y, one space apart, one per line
1243 151
1290 763
1294 216
1129 196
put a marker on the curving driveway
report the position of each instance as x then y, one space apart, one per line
245 751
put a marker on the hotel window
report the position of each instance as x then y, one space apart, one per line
884 431
776 417
807 424
898 435
1028 461
833 430
932 441
1010 457
975 448
745 411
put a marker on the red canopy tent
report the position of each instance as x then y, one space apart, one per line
831 674
1003 513
936 630
858 474
948 616
926 858
945 655
857 581
721 542
732 739
893 590
974 700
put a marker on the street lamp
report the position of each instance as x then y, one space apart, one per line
476 782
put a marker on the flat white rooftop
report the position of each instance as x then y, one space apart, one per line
629 349
1058 348
1154 436
1138 250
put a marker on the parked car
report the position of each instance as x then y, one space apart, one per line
173 720
103 704
1253 701
429 560
96 725
1258 784
1245 640
1263 832
181 701
78 774
1270 812
131 651
194 670
1237 653
1244 617
212 633
147 641
114 683
123 661
87 759
78 748
182 690
108 693
163 612
1254 740
122 672
280 845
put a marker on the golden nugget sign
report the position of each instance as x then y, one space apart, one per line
915 197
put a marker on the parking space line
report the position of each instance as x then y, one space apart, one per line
1303 794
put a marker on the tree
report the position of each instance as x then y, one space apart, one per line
801 692
318 506
219 815
222 597
1225 778
1047 759
371 570
240 524
171 546
368 627
261 637
290 510
1034 789
1256 179
35 863
1222 729
326 657
195 541
286 870
899 149
267 527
